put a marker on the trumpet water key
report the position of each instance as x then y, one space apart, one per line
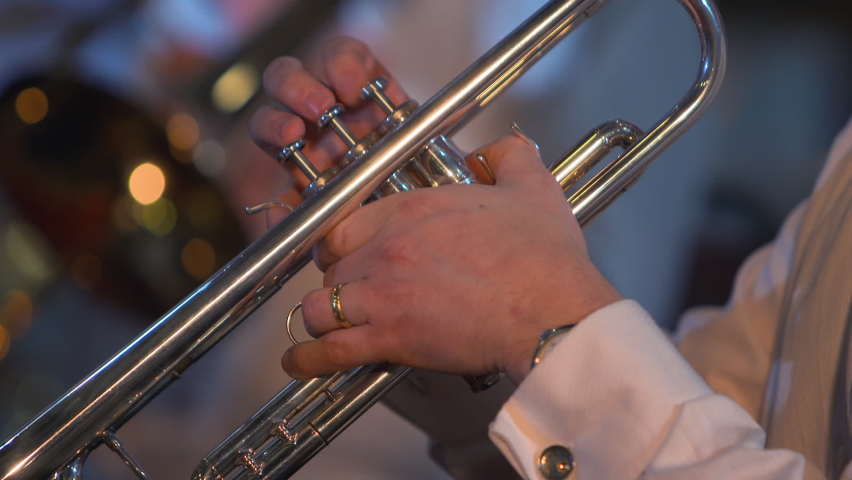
411 150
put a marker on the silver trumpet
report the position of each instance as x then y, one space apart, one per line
411 151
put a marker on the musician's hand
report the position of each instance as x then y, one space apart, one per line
341 68
459 279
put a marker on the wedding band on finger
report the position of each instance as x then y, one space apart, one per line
337 308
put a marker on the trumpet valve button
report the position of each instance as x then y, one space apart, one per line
287 153
330 115
375 90
293 153
380 83
331 119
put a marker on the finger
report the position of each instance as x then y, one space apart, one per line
339 350
329 275
354 231
362 225
318 312
514 161
287 81
271 129
322 151
357 265
348 66
350 234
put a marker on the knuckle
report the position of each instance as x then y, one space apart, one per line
395 297
399 250
337 241
420 206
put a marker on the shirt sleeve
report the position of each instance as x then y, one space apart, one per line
628 404
731 347
617 393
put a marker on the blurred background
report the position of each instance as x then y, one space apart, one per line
125 164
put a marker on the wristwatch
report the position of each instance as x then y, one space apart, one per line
548 340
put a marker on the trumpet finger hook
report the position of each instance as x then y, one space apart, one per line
516 129
290 320
267 206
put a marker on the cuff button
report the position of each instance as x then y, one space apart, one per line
556 462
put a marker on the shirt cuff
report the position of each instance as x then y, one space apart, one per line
609 391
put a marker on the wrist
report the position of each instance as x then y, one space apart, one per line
533 346
546 342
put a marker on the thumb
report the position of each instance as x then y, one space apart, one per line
514 161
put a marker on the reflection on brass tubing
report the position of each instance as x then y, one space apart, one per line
599 143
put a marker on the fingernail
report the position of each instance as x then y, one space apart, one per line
318 102
287 365
285 361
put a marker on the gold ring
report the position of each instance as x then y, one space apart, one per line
336 308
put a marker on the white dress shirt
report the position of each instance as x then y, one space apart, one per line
620 396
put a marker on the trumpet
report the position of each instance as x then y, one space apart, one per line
412 150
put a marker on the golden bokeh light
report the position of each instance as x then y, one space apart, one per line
28 253
198 258
209 158
87 271
147 183
5 342
235 87
159 217
183 131
16 313
31 105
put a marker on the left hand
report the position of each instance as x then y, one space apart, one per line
459 279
